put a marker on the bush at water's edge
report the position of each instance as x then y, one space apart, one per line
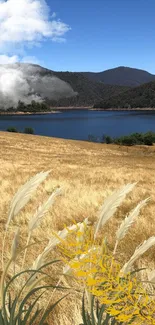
147 138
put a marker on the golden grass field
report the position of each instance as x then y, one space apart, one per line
88 172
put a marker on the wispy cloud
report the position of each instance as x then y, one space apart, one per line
5 59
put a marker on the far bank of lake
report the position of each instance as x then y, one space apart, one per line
63 109
78 124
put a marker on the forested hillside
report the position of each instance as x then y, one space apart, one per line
142 96
88 92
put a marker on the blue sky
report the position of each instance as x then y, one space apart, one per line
97 35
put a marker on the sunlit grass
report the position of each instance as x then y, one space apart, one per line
89 173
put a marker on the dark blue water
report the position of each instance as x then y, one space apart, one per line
80 124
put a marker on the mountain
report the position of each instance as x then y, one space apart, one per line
24 83
138 97
28 82
88 92
122 76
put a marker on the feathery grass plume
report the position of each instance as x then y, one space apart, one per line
23 195
36 219
111 204
141 249
53 242
42 210
21 198
67 270
15 245
128 221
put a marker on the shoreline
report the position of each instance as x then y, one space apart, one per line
60 109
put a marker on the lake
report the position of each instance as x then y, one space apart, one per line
79 124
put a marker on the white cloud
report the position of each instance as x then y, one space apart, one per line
30 59
28 22
4 59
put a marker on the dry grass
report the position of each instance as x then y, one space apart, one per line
89 173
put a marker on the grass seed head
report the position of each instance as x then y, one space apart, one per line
23 195
110 206
128 221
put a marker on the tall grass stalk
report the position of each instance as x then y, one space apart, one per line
36 219
20 199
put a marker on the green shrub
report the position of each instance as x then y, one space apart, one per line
138 138
149 138
133 139
29 130
12 129
128 140
117 141
108 139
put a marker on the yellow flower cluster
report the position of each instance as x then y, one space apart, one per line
124 295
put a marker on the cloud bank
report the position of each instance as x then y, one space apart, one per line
25 83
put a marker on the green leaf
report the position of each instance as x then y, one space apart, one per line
36 314
97 308
47 312
137 270
102 309
92 311
31 293
84 317
107 319
12 311
31 308
1 318
21 273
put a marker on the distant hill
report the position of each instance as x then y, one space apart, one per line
122 76
138 97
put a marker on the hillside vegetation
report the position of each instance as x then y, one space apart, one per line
142 96
88 92
88 172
